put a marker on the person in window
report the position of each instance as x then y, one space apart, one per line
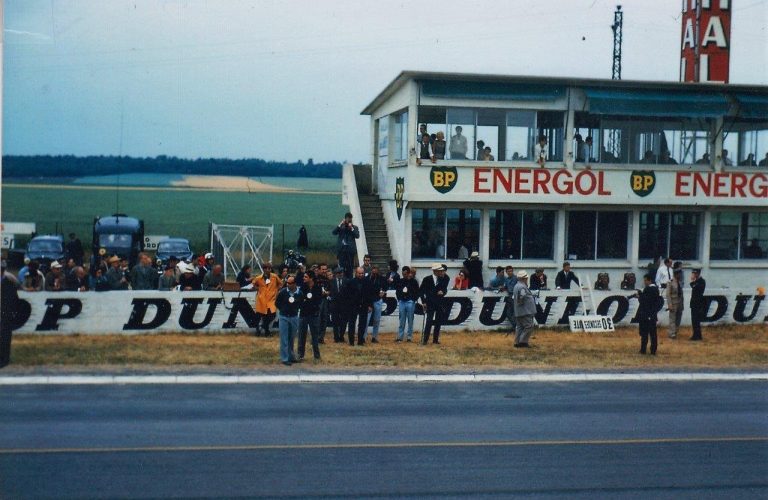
704 160
539 280
749 161
425 149
726 161
608 157
461 282
487 156
458 145
480 153
565 277
629 282
666 158
541 151
753 250
464 250
648 157
422 131
474 267
764 161
579 147
438 147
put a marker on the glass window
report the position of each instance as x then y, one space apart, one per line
550 125
597 235
383 139
746 143
586 138
440 234
521 135
461 126
463 232
674 235
400 136
735 236
522 234
434 119
490 123
428 233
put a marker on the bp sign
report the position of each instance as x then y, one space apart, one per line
642 182
443 179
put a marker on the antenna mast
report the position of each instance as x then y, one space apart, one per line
618 21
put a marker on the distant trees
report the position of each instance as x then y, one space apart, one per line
78 166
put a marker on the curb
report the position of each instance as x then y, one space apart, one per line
307 378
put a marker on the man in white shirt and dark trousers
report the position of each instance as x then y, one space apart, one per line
664 274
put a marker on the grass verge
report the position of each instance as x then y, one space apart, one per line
723 347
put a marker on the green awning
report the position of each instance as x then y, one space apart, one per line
656 103
491 90
753 105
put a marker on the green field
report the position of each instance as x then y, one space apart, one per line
176 212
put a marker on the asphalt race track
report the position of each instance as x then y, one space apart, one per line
483 440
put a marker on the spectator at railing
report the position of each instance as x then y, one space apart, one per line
97 281
424 149
480 153
629 282
214 280
461 282
565 277
167 280
666 158
55 280
704 160
726 161
458 145
78 280
749 161
438 147
497 282
541 151
474 267
764 161
244 276
539 280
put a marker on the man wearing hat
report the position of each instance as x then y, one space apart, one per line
167 281
698 306
115 276
432 292
525 310
267 286
189 281
55 280
207 265
474 267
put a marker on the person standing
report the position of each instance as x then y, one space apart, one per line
697 304
144 276
377 288
309 314
675 302
323 281
392 277
565 277
115 276
167 281
288 301
474 267
267 286
75 249
664 274
303 242
647 314
458 145
346 247
525 310
356 304
336 304
9 309
407 292
432 292
509 285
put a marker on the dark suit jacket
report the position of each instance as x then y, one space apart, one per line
563 281
648 301
334 292
346 238
428 290
357 294
697 293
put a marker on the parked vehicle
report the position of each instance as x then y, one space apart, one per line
45 249
173 247
119 235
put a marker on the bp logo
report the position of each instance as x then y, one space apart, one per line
642 182
443 178
399 190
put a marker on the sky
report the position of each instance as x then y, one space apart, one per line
287 80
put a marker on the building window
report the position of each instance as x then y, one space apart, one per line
586 138
660 141
736 236
550 125
461 128
746 144
444 233
669 234
597 235
521 135
400 136
522 234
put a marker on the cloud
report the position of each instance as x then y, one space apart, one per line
38 36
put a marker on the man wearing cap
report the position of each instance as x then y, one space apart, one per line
698 305
207 265
525 310
267 286
55 280
474 267
189 281
115 276
432 292
288 302
167 280
346 247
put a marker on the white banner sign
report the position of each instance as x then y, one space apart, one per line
18 227
591 323
151 241
141 312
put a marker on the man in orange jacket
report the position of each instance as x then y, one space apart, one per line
267 286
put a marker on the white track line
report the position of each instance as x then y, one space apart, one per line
320 378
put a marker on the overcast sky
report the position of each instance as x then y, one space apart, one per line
286 80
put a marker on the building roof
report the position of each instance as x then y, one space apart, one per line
408 75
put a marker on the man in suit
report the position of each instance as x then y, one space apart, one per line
698 285
335 304
357 303
565 277
346 248
647 314
432 292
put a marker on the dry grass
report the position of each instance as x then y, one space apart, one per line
724 347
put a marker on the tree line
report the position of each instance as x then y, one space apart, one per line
77 166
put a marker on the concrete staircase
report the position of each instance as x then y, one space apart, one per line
375 231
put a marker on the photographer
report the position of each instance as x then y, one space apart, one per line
346 247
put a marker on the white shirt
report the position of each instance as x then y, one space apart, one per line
663 275
540 152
